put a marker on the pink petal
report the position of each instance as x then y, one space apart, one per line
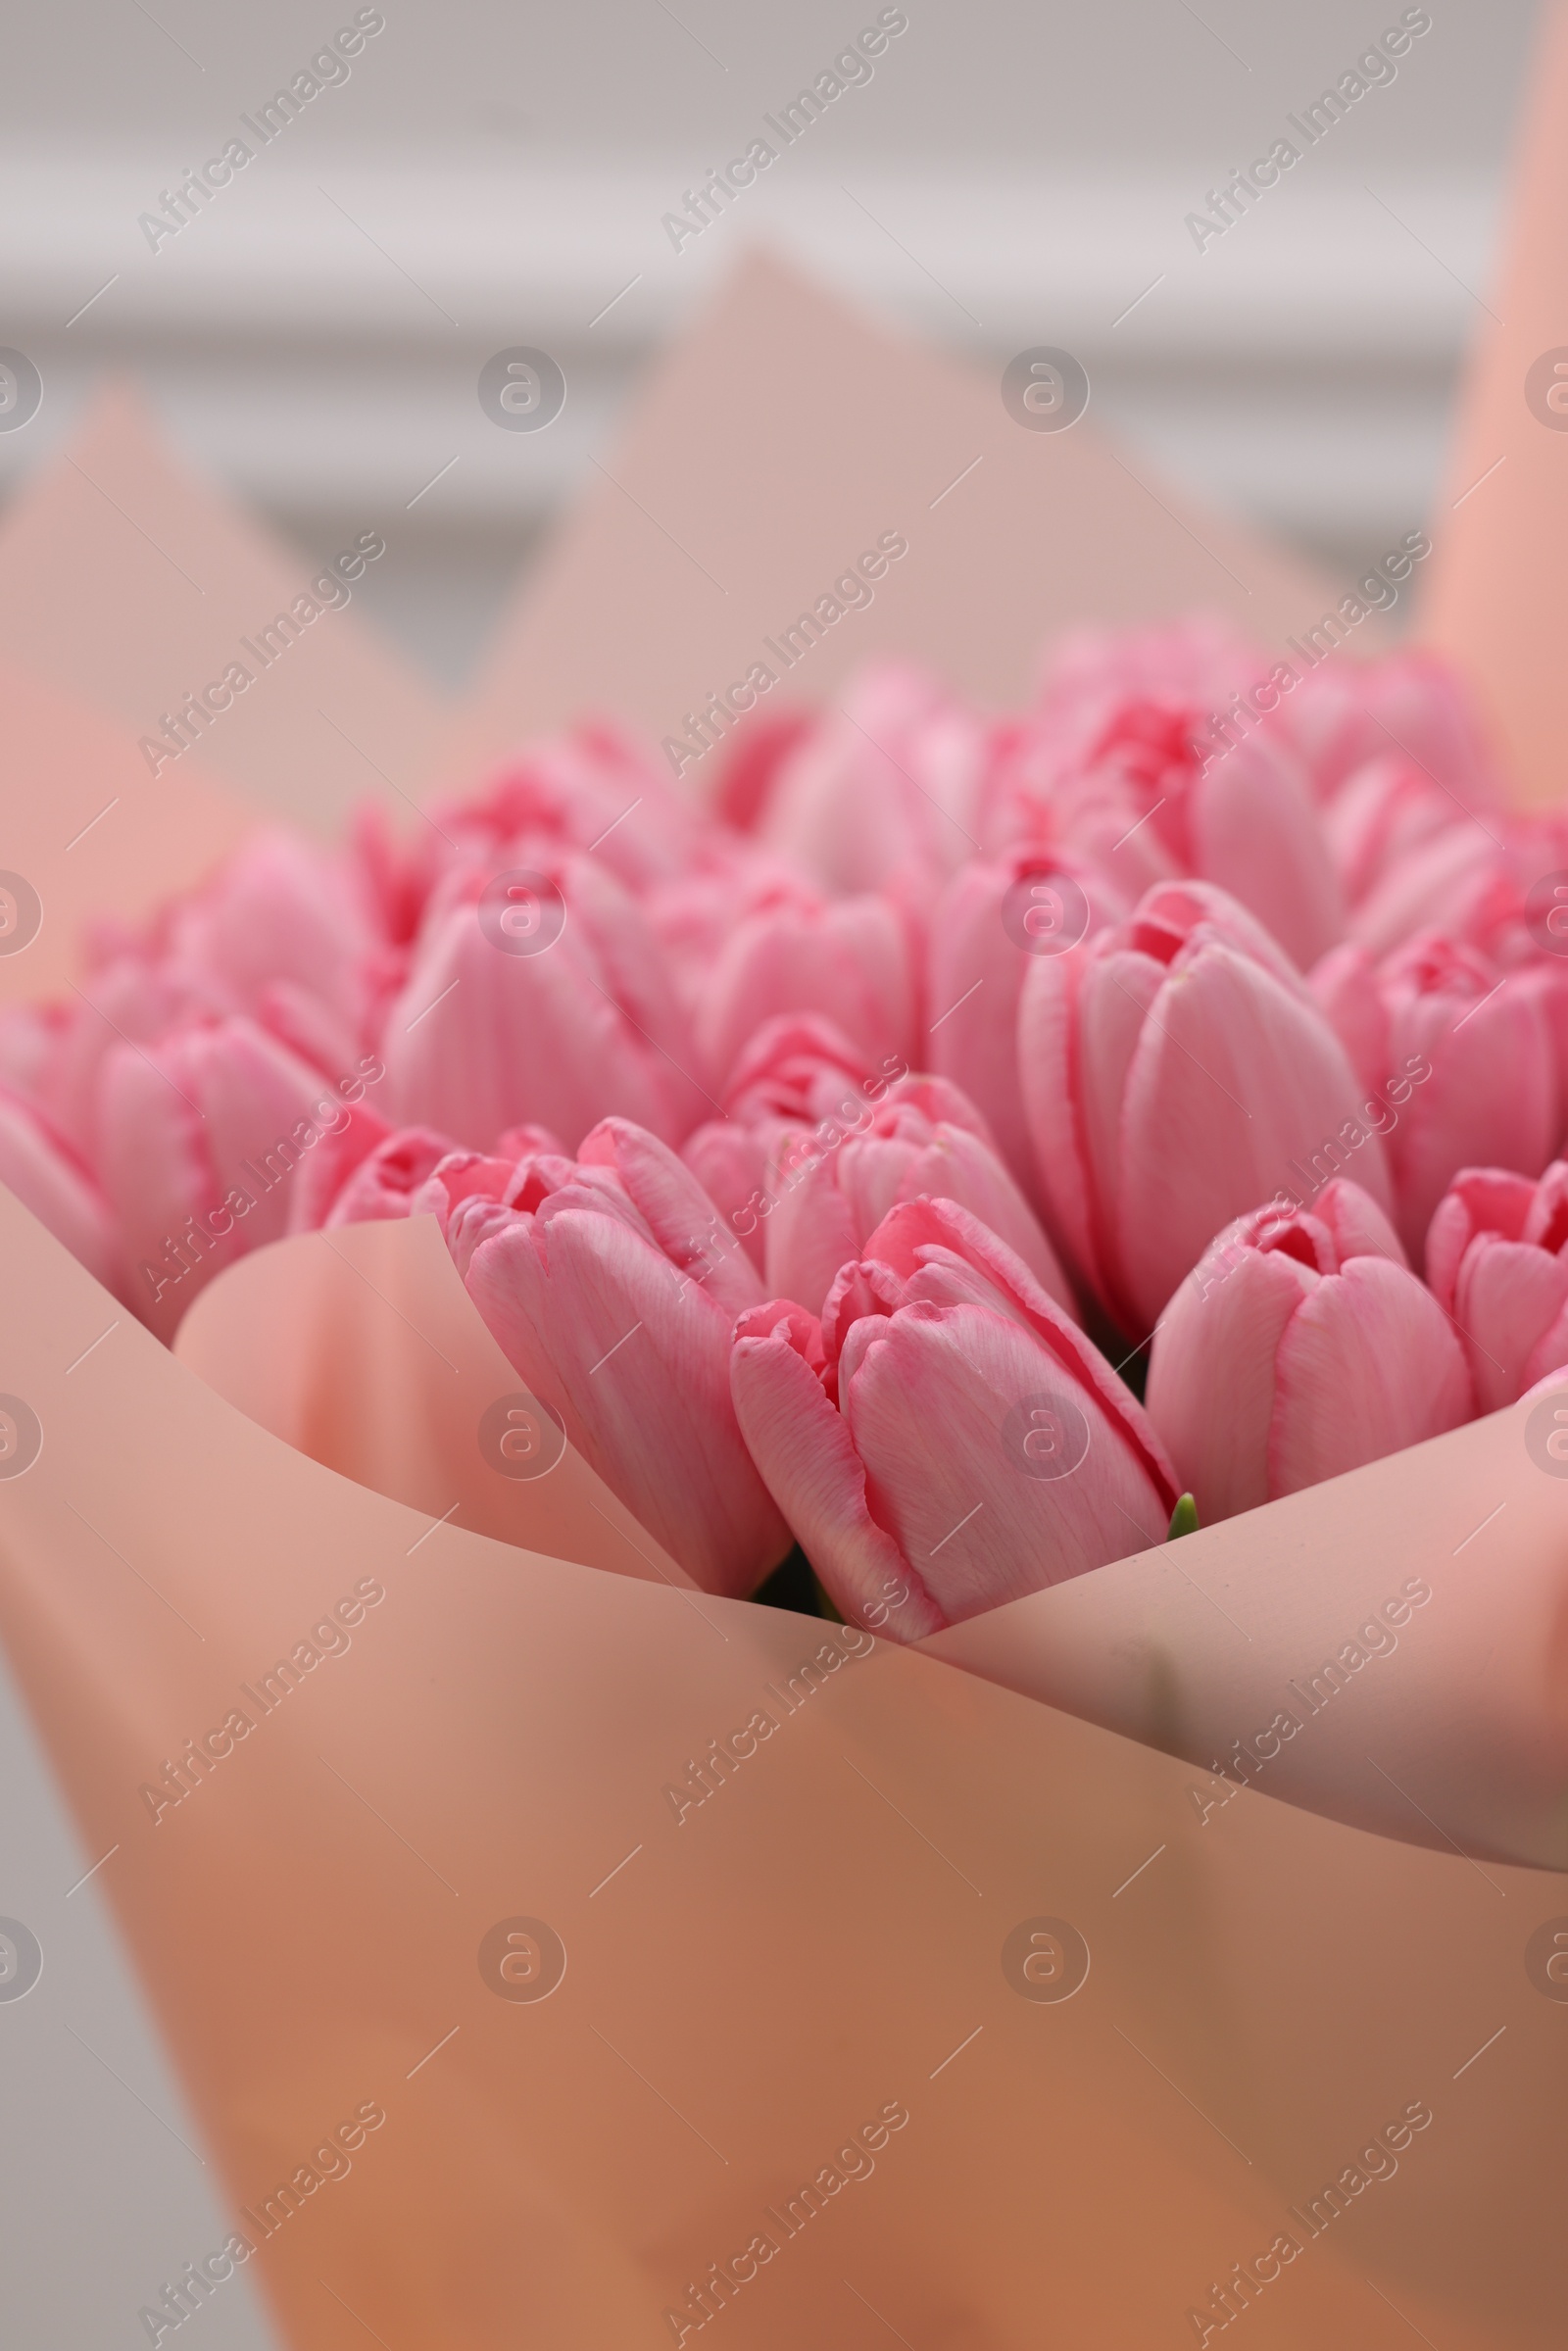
1210 1392
636 1360
1508 1299
928 1406
1236 1087
1367 1366
807 1457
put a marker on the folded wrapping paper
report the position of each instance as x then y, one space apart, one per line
775 441
795 2066
86 829
1390 1649
1498 584
129 585
361 1348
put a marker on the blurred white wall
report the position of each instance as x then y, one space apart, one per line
1011 175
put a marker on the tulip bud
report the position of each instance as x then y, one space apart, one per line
945 1439
384 1182
45 1176
606 1290
282 933
199 1140
1497 1262
1340 715
994 916
554 1009
1469 1062
836 1186
795 1073
848 960
880 795
1161 723
1300 1346
1176 1070
589 790
1233 808
1384 814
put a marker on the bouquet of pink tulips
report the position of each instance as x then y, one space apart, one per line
968 1139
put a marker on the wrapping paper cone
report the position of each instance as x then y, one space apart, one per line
780 438
1442 1718
789 2059
361 1348
129 585
1498 585
1437 1720
90 832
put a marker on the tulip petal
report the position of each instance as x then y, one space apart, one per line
1235 1089
807 1457
682 1219
1210 1392
1367 1366
1508 1299
928 1406
636 1360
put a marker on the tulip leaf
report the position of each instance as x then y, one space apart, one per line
1182 1519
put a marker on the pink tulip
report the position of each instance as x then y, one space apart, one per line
796 1073
603 1284
281 936
1497 1262
945 1439
754 761
587 791
283 933
199 1138
1148 761
693 913
1046 804
1382 816
1459 881
488 1031
848 958
736 1167
1198 660
924 1138
802 1066
881 794
46 1177
1341 715
1300 1346
127 999
380 1185
1236 813
993 918
1478 1052
1173 1069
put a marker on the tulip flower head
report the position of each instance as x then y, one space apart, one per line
602 1288
1300 1346
1497 1262
943 1439
1173 1069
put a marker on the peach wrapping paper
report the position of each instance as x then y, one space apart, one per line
1498 585
126 582
361 1348
746 1985
1446 1724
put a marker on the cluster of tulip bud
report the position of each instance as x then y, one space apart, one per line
962 1141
